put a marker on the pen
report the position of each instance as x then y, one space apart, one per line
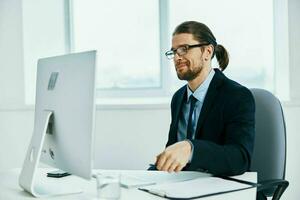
152 167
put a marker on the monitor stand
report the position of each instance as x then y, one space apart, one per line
30 179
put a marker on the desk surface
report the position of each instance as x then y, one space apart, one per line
10 189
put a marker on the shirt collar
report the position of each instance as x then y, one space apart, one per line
200 92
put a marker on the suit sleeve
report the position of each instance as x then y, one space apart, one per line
233 157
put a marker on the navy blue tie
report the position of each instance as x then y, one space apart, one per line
189 130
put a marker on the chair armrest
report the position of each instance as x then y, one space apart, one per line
279 184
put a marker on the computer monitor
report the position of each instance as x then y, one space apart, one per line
64 120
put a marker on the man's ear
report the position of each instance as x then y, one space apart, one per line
209 51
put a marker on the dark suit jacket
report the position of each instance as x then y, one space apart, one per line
224 137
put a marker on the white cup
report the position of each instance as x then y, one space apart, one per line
108 186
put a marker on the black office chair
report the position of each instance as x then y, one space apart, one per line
269 156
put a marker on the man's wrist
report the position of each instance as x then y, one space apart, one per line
191 150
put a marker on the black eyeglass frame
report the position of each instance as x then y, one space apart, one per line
171 53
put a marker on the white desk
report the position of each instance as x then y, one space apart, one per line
10 190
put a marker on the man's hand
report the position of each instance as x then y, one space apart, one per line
174 157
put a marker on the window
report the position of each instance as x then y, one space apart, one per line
130 42
132 36
126 35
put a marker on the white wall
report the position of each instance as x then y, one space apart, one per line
130 138
126 138
43 34
11 53
292 114
294 37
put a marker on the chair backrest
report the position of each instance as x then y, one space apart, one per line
269 156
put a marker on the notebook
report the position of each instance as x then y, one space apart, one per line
197 188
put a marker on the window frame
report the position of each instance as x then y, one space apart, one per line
161 91
281 83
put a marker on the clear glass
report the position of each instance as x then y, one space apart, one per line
108 186
126 35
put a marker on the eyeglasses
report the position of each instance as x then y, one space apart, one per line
182 50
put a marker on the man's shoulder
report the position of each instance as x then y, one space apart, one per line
230 85
233 90
234 87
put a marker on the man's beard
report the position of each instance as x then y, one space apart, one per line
189 74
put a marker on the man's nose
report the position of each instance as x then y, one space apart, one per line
177 57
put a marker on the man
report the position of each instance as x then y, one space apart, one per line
212 127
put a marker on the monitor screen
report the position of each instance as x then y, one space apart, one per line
66 87
63 123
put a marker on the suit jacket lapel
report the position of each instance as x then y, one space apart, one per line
181 100
210 97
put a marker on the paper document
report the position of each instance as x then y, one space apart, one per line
199 187
131 179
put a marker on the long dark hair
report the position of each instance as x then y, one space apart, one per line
204 35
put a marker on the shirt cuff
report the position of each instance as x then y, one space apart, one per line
192 150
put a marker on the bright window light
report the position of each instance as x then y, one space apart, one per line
126 36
